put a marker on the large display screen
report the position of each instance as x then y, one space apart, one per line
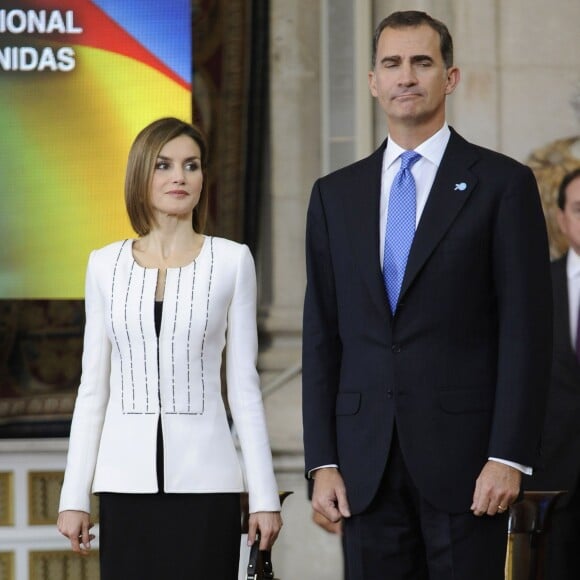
78 80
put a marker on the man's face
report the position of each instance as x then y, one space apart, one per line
569 217
410 79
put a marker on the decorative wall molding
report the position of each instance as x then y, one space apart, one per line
6 565
6 499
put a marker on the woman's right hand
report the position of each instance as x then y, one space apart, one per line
75 526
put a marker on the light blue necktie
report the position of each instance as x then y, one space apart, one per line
400 229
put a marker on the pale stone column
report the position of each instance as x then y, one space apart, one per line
295 164
303 549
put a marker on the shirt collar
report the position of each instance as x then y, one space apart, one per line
432 149
572 264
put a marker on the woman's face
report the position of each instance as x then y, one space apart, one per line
177 178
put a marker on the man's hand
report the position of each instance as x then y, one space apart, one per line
329 494
326 524
496 488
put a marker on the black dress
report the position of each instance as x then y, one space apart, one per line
177 536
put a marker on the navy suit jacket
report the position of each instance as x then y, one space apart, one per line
463 366
559 461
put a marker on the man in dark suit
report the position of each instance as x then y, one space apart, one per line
559 465
423 400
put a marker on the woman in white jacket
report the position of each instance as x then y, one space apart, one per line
150 433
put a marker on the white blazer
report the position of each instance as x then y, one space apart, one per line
130 378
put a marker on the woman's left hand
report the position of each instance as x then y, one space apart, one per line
268 524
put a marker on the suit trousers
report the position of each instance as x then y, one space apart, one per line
563 543
401 536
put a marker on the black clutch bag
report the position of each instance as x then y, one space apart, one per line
260 563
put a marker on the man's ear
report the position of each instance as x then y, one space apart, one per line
372 83
561 221
453 78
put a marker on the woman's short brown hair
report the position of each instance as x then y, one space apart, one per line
141 165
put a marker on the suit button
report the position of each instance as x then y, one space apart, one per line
396 348
389 394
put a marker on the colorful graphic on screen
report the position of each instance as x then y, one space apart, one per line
78 80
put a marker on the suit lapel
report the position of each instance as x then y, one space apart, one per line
361 203
453 184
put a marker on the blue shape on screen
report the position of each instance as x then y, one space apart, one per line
164 28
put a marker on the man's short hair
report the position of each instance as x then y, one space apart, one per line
413 18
